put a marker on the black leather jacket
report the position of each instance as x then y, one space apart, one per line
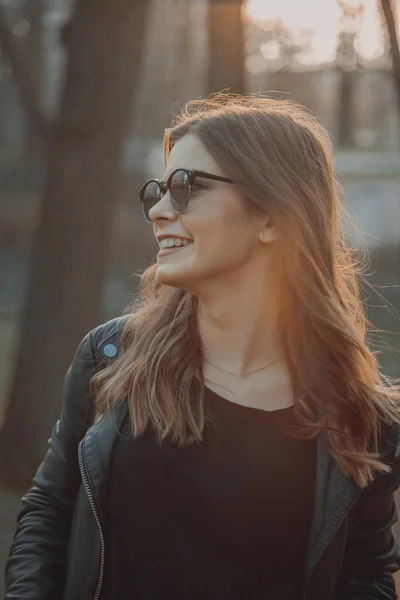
58 551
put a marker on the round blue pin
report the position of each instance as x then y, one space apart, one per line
110 350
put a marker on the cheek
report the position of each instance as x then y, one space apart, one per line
219 225
221 237
219 215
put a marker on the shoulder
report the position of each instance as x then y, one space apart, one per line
108 332
100 344
104 339
93 353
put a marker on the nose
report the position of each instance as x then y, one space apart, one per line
163 211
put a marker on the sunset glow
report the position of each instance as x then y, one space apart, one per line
323 17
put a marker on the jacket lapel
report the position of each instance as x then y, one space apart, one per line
335 494
98 444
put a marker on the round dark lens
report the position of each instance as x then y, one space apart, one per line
150 195
180 190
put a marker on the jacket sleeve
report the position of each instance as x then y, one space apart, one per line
372 553
37 560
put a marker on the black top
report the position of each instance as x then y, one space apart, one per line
225 519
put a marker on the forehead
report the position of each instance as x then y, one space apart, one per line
189 153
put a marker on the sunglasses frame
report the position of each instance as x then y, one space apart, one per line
165 186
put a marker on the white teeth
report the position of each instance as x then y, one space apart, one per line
171 242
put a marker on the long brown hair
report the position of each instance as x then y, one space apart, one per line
284 158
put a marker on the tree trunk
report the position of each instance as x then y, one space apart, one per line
347 63
35 10
23 70
345 126
388 11
226 43
104 40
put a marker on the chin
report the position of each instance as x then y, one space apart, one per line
181 278
170 276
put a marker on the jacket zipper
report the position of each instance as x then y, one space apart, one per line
92 502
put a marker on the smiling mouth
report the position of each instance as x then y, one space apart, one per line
172 249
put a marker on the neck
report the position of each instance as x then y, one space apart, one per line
238 325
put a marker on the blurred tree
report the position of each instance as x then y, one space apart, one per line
347 63
167 66
23 59
388 12
226 46
274 43
35 9
274 55
344 55
64 297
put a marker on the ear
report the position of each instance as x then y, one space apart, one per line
268 231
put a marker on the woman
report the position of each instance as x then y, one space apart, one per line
238 440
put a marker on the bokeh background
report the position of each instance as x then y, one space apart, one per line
86 90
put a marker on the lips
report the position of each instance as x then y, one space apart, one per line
166 236
172 249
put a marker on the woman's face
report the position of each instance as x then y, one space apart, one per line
223 237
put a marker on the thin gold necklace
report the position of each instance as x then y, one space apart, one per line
245 374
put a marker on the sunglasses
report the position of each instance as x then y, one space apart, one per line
179 184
